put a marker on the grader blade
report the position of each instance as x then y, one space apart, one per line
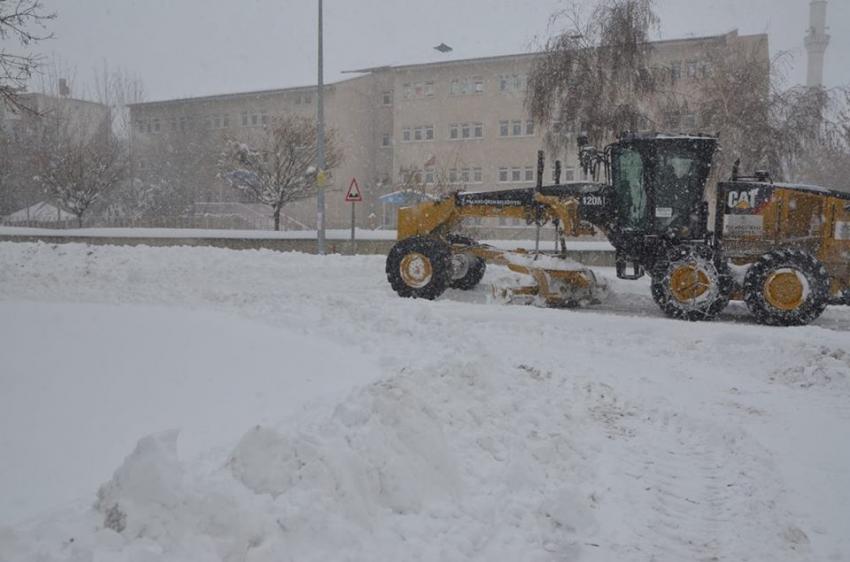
547 280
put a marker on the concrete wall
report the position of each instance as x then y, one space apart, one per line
600 258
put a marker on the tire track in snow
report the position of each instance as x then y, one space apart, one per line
698 491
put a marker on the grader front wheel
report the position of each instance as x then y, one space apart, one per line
419 267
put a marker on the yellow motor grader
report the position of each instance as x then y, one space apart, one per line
783 249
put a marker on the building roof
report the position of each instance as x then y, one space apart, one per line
235 95
388 68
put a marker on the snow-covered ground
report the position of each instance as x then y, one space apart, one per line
195 404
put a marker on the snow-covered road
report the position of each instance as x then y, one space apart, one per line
324 418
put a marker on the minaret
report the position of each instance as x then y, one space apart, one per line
816 42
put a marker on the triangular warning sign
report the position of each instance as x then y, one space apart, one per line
353 192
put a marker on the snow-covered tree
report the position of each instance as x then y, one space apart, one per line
77 172
796 133
21 21
274 165
594 76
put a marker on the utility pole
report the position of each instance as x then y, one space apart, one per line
320 149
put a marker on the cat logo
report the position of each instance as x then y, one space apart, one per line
742 199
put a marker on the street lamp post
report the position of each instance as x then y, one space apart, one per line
320 149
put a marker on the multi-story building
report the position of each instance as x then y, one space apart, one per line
454 125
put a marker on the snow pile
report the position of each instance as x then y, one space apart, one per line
451 464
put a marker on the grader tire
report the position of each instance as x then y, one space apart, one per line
472 269
786 288
691 284
419 267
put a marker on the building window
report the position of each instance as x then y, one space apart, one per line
503 175
476 175
529 174
416 90
244 118
466 131
503 128
692 68
569 174
690 121
264 118
529 127
387 97
156 125
386 140
429 176
225 121
675 71
516 128
419 133
453 175
467 85
516 174
513 83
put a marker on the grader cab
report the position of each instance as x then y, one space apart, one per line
783 249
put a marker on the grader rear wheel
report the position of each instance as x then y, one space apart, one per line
690 283
786 288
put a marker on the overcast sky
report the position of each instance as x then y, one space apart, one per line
183 48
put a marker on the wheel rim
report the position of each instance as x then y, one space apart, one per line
460 266
688 283
415 269
785 289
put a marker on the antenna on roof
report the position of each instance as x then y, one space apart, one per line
443 48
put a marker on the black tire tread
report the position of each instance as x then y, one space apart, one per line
476 272
816 275
437 251
665 300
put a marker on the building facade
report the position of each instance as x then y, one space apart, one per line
437 127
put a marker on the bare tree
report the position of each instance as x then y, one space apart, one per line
117 89
273 167
594 75
163 185
78 171
23 21
795 133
